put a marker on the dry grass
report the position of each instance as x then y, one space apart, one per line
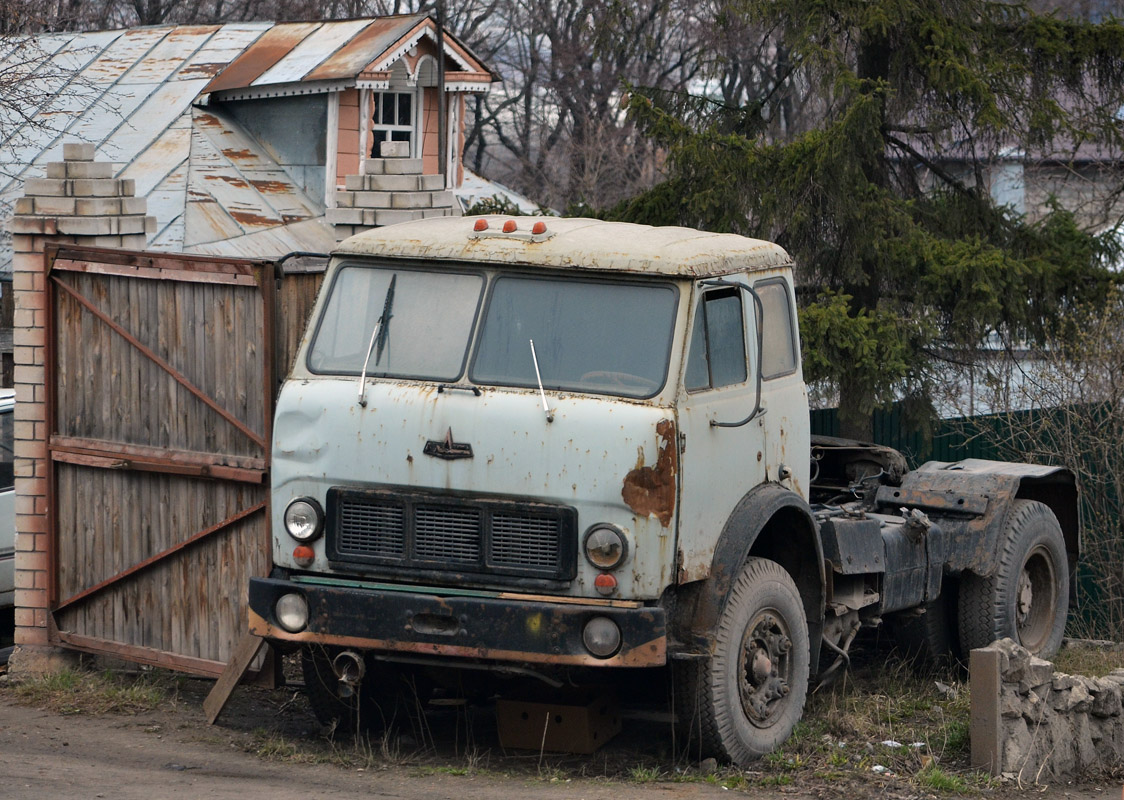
1092 660
74 691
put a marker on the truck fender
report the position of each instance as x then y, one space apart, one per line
971 500
771 522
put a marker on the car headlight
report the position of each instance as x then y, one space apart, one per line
605 546
304 519
292 612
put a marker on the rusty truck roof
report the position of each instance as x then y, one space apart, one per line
571 243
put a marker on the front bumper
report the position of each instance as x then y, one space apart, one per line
492 626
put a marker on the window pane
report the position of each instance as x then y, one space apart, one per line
404 117
726 338
387 100
400 136
778 343
425 336
698 371
377 138
7 453
589 336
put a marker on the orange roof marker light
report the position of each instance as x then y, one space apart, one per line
509 226
532 232
538 228
481 225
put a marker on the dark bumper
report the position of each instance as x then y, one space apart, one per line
530 630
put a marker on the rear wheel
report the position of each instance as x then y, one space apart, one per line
1026 598
744 700
929 640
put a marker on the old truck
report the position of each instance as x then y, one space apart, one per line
557 447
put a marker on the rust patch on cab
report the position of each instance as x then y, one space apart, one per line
650 491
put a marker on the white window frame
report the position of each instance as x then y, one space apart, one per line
415 127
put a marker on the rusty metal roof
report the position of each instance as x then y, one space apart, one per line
207 180
573 243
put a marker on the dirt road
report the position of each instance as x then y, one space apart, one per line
267 746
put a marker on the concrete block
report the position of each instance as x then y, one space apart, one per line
29 225
54 206
373 199
24 205
345 199
403 166
86 226
392 183
374 166
133 224
438 212
45 187
149 226
369 217
354 183
134 205
89 169
97 206
134 241
112 240
78 151
431 183
394 149
443 199
386 216
985 715
128 187
411 200
344 216
32 658
95 187
56 169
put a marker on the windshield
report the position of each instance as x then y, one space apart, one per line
425 323
591 336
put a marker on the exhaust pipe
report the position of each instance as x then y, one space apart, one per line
349 668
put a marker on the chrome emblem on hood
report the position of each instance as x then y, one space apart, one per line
448 449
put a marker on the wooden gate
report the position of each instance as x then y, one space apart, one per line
160 380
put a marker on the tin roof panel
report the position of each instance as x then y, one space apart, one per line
367 45
267 50
308 54
220 50
168 55
160 109
126 49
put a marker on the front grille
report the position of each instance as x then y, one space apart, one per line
411 530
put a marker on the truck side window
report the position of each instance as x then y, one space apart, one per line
778 338
717 352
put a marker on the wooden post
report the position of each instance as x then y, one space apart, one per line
986 726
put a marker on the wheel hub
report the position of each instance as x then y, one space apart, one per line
765 668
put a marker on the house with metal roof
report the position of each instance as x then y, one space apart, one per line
241 136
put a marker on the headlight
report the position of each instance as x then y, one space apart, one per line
304 519
601 637
605 546
292 612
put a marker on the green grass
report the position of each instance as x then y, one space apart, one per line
74 691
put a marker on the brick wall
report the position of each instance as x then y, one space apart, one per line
79 202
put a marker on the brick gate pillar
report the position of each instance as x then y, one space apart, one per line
79 202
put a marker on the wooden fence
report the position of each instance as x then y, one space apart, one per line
161 375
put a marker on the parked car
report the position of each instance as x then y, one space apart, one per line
7 501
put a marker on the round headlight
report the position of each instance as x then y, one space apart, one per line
605 546
601 637
304 520
292 612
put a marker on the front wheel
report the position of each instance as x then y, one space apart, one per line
744 700
1026 598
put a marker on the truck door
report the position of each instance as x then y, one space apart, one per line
783 394
718 465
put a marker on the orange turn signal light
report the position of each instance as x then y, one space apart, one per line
304 555
605 583
509 226
481 225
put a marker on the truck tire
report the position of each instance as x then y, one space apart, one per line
372 708
1026 598
744 700
929 640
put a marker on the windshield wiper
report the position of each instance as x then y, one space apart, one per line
538 377
379 335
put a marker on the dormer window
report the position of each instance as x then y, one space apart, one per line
392 119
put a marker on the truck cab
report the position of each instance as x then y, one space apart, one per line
525 445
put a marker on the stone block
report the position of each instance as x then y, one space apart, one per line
345 199
390 149
439 212
87 226
411 200
134 205
369 217
444 199
128 187
24 205
54 206
112 240
431 183
132 224
1076 699
95 187
373 199
78 151
149 226
1106 699
134 241
344 216
392 183
45 187
97 206
374 166
385 216
403 166
56 169
89 169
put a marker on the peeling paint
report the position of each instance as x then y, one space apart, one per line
650 491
